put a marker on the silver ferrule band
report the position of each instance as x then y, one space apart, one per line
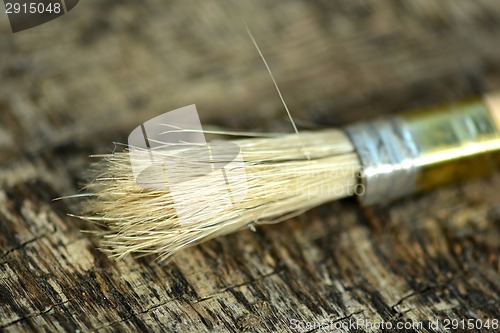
387 152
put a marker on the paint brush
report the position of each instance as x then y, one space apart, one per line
283 175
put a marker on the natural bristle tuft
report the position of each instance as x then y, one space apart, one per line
279 179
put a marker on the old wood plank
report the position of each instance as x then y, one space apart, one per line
64 96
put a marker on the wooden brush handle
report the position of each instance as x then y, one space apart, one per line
493 103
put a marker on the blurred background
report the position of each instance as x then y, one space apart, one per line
101 69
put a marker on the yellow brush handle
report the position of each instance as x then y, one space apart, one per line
427 148
456 142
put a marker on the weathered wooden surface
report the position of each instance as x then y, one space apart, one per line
71 87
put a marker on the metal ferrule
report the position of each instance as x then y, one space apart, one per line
424 149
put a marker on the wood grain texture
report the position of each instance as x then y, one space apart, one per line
72 86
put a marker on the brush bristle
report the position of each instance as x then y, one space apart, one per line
283 175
